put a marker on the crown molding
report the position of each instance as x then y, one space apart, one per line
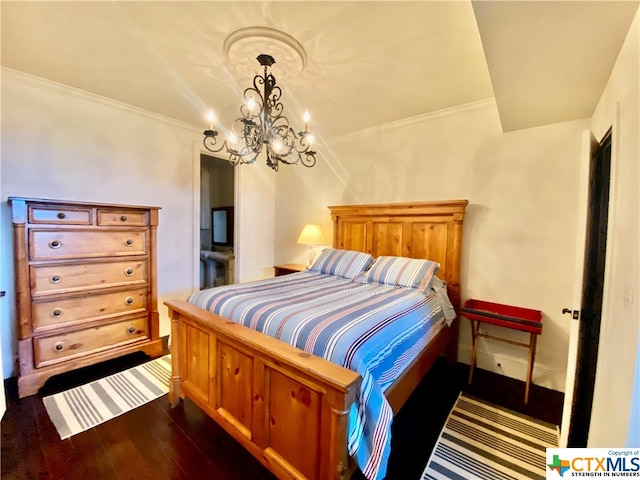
41 82
486 103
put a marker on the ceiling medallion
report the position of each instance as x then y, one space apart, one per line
242 47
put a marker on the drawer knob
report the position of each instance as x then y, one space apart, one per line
131 329
55 279
58 347
128 242
56 313
123 218
128 272
55 244
128 301
61 215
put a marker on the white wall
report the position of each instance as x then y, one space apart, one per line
62 143
620 106
520 228
255 225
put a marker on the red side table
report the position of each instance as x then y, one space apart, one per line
507 316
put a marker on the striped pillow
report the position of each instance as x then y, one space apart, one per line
401 272
341 263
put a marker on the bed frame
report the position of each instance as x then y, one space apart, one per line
288 408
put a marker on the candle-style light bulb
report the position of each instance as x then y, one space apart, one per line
251 104
211 117
277 146
306 118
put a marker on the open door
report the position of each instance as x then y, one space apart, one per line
586 310
589 145
3 309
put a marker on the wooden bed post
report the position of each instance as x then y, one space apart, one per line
175 396
453 285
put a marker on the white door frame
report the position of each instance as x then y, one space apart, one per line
199 149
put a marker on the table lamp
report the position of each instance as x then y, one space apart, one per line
311 235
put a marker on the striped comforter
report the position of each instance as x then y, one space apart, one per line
372 329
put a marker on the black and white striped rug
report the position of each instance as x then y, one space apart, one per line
481 441
81 408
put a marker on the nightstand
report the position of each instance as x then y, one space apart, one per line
288 268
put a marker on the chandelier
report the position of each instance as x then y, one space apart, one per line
262 125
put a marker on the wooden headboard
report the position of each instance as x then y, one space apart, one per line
431 230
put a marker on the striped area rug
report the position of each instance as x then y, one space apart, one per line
81 408
485 442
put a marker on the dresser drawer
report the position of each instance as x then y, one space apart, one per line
123 217
58 348
60 216
54 279
58 244
74 310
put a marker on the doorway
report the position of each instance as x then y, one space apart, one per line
592 293
217 214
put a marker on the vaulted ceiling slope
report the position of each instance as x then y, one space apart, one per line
549 61
368 63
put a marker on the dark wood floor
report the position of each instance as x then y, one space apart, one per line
158 442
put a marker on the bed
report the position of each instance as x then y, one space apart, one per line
289 408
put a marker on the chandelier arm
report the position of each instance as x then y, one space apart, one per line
303 142
273 161
210 141
308 158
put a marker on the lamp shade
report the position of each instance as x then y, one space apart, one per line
311 235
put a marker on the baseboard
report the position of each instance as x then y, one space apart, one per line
513 367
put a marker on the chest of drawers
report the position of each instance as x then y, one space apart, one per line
85 285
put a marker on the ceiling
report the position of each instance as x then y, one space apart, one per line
367 63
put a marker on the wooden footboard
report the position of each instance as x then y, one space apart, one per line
286 407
